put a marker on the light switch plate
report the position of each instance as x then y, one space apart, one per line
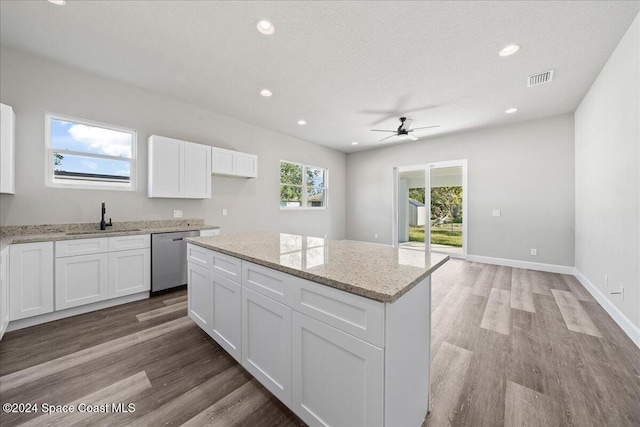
496 212
177 214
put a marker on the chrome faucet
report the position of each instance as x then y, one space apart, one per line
103 224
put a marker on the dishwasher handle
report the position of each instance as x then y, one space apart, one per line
178 239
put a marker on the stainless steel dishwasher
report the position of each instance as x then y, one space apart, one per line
169 259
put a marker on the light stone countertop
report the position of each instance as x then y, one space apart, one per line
379 272
54 232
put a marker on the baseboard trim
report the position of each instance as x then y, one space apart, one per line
57 315
539 266
618 316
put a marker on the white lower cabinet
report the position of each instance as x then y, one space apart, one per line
81 280
92 270
4 291
30 279
199 296
337 378
129 272
226 314
266 342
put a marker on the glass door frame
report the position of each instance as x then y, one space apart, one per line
427 168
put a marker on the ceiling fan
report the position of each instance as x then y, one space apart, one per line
403 130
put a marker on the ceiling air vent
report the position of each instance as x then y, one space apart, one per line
540 78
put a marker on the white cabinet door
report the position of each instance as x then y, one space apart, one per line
4 291
129 272
166 167
7 149
337 378
222 161
199 294
197 170
227 314
81 280
30 279
178 169
266 343
246 165
233 163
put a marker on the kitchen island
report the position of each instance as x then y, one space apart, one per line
337 330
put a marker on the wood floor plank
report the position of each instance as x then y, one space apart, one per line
526 407
497 312
540 282
180 409
444 316
450 366
502 279
484 282
175 300
37 372
579 291
575 317
119 392
180 306
231 409
521 295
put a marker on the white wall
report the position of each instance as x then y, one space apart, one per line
32 86
607 145
526 170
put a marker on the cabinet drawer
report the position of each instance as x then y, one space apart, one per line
66 248
199 255
122 243
361 317
226 266
268 282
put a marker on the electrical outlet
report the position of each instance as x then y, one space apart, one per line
534 252
606 280
224 212
177 214
375 236
496 212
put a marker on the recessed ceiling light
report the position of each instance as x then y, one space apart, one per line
266 27
509 50
266 93
302 122
354 143
511 110
58 2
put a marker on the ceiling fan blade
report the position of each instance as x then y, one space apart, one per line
383 130
412 137
426 127
406 124
390 136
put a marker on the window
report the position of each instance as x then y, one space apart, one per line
296 192
85 154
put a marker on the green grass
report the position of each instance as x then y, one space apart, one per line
440 235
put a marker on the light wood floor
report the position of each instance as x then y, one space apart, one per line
509 347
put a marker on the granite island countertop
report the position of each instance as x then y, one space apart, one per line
54 232
379 272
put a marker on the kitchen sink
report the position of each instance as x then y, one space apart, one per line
76 233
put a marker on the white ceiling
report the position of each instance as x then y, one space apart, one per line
343 66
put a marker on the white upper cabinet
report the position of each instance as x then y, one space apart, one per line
233 163
178 169
7 150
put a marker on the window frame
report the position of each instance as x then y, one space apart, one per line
305 188
50 178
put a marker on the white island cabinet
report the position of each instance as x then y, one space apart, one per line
338 347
